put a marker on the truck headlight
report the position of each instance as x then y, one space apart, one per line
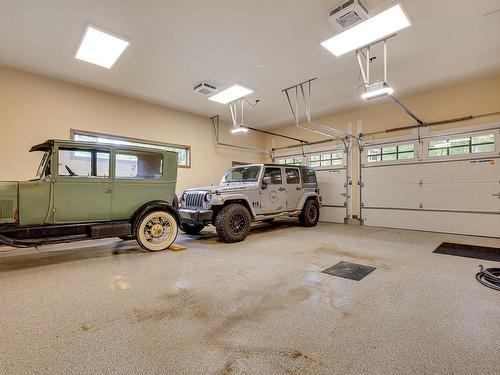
208 197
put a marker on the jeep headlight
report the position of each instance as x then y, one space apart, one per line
208 197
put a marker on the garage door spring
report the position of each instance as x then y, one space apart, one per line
489 277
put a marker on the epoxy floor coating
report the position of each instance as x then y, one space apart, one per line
257 307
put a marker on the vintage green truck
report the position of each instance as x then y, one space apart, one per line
92 190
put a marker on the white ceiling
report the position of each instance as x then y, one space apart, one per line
175 44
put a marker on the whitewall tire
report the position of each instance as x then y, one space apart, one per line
156 231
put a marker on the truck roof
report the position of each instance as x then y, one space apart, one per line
48 144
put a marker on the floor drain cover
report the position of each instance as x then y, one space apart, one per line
469 251
348 270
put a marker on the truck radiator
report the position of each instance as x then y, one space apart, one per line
194 200
6 210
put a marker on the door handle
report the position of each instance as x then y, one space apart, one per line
496 195
281 189
298 188
109 190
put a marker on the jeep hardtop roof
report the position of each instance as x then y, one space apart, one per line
272 165
48 144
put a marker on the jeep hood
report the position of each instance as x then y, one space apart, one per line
225 187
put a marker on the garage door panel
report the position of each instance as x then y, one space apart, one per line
332 214
331 186
448 222
396 195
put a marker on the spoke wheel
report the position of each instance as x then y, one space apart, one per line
156 231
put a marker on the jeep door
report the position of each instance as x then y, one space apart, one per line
82 185
273 191
293 188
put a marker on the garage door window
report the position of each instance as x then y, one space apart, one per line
390 153
462 146
327 159
292 160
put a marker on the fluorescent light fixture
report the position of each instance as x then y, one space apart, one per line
239 129
375 28
100 48
377 91
231 94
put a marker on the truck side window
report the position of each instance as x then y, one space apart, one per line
138 165
83 163
308 175
292 176
272 176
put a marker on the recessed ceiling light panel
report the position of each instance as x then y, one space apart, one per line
231 94
100 47
375 28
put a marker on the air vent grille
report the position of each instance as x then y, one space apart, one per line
6 209
348 19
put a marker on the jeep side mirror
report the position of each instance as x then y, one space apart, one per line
264 185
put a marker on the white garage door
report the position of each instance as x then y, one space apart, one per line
331 168
446 183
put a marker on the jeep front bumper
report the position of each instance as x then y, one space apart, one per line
201 216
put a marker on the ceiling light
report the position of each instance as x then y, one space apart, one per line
100 48
383 24
239 129
231 94
377 91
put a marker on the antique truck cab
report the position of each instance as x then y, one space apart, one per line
92 190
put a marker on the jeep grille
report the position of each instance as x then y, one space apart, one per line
194 200
6 209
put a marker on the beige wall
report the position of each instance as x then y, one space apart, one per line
35 108
477 97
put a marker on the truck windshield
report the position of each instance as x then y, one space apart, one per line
43 165
242 174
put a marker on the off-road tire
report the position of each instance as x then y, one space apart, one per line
233 223
192 229
310 213
156 230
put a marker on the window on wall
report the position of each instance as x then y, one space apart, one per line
327 159
290 160
462 146
388 153
183 152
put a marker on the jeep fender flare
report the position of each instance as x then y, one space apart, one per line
305 197
151 206
226 199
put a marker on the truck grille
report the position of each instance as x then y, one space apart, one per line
194 200
6 209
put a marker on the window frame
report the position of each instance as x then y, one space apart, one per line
470 145
331 159
187 148
295 158
298 175
119 151
93 152
381 153
281 174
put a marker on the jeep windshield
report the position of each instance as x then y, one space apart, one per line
241 174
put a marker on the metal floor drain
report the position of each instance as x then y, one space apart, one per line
349 270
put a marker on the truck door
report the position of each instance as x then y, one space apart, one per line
82 187
273 191
293 188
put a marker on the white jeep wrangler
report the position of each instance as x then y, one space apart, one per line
248 193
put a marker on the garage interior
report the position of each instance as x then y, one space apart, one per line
402 130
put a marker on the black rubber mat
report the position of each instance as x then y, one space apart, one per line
469 251
348 270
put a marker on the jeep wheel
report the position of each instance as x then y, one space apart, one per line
156 231
233 223
310 213
192 229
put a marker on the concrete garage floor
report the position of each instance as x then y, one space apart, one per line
257 307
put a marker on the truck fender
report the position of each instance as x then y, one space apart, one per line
151 206
221 200
305 197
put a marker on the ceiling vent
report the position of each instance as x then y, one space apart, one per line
348 14
205 88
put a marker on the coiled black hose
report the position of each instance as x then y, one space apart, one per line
489 277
